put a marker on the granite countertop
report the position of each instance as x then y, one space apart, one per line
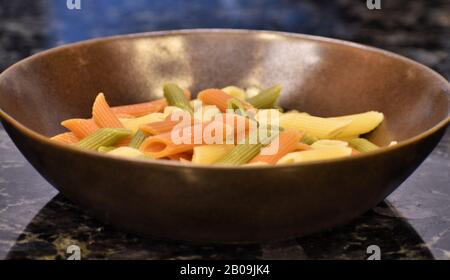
413 223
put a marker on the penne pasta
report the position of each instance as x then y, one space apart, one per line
360 123
326 144
137 139
363 145
267 98
103 115
220 127
235 92
285 143
321 128
81 128
219 98
175 97
208 154
127 152
134 124
103 137
315 154
67 138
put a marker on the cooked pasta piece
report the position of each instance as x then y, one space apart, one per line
240 154
315 154
134 124
208 154
103 137
267 98
235 92
175 97
184 157
360 123
67 138
103 115
163 145
326 144
285 143
127 152
105 149
321 128
219 98
309 140
141 109
81 128
137 139
125 142
363 145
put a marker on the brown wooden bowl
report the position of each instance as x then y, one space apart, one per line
321 76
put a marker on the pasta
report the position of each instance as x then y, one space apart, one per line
209 154
266 99
218 98
286 142
67 138
80 127
229 126
103 115
133 124
103 137
321 128
137 139
315 154
360 124
235 92
363 145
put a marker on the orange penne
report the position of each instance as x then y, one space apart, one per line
159 127
166 125
219 98
103 115
81 128
67 138
141 109
287 142
186 156
302 147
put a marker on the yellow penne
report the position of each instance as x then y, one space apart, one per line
236 92
125 152
361 124
317 154
134 124
327 144
208 154
321 128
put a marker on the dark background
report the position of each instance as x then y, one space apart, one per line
414 222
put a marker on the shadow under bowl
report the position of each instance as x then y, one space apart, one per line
321 76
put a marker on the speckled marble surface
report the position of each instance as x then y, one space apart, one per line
414 222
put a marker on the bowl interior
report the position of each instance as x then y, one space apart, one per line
322 77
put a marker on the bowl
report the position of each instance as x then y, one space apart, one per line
324 77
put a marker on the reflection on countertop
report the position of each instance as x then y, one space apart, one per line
414 222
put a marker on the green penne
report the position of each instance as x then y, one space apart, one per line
103 137
363 145
236 105
240 154
266 99
175 97
105 149
308 139
137 140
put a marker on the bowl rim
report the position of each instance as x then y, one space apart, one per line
171 164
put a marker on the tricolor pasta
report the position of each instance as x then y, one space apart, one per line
229 126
